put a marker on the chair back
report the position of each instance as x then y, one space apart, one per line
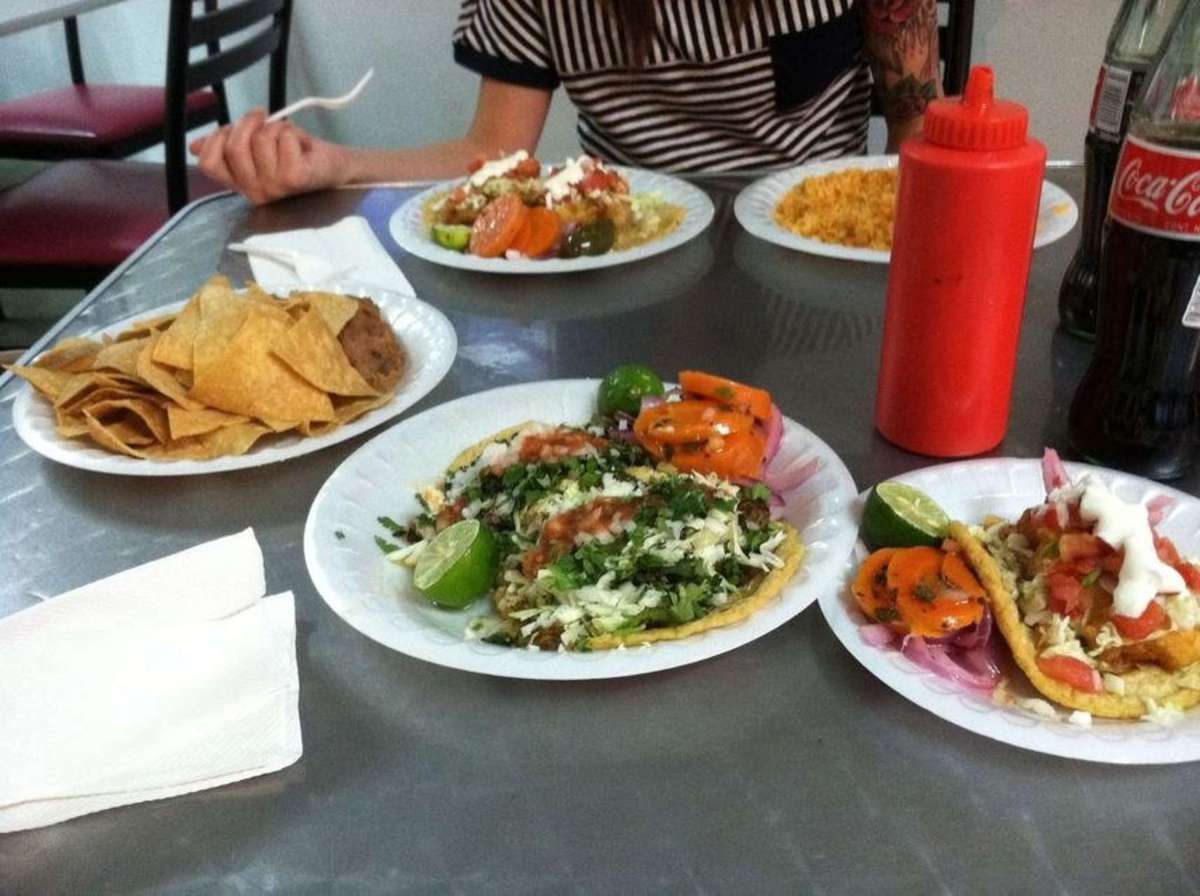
270 21
954 44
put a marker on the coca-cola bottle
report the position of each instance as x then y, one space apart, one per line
1136 36
1137 406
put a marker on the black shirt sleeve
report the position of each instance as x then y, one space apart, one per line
506 40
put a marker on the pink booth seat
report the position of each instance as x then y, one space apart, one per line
92 120
85 214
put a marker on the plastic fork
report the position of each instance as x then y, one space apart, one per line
323 102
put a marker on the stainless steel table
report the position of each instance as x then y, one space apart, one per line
781 767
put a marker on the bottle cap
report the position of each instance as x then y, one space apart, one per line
977 120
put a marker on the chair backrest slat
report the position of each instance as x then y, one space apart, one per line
230 19
231 60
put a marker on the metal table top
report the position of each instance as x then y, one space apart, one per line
780 767
21 15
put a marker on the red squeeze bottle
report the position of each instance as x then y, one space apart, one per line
966 211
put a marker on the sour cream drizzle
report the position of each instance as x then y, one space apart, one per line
1125 526
497 168
558 185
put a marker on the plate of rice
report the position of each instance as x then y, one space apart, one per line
845 208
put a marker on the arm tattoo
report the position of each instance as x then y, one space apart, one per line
902 40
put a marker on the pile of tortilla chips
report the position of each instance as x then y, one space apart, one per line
228 369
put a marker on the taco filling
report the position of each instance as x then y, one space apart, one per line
600 546
1100 611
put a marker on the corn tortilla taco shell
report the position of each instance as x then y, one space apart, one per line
1168 689
767 588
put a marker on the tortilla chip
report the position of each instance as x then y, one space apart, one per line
248 379
311 350
143 328
73 354
47 380
184 423
160 378
335 309
153 417
109 438
69 427
1144 682
175 347
75 402
222 314
121 356
226 441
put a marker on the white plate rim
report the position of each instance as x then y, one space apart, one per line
435 355
407 230
828 539
1110 742
756 201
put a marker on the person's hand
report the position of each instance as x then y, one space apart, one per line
900 131
266 162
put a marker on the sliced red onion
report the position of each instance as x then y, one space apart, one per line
1054 474
651 401
936 659
792 476
1158 507
1063 513
774 433
976 635
876 634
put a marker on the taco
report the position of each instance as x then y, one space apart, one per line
601 547
1100 612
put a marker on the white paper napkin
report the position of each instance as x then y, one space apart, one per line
169 678
350 246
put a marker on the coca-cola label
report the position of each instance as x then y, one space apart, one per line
1157 189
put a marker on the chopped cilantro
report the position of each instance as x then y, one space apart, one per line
1090 579
886 614
386 546
392 526
756 492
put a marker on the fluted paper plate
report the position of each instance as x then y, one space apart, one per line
426 335
755 209
378 599
408 229
968 491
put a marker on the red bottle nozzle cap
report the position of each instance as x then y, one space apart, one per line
977 120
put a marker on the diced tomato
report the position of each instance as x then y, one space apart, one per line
1169 554
1111 563
1191 575
1152 619
558 536
528 168
1066 594
557 443
1080 545
1072 672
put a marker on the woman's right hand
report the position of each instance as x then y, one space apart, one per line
268 161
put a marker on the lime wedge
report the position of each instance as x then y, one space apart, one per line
457 565
900 516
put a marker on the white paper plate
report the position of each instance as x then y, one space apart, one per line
409 231
378 599
755 207
968 491
426 335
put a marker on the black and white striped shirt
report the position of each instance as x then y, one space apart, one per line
786 84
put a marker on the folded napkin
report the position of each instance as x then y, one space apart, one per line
168 678
349 246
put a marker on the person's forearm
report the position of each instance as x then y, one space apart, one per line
438 160
902 43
